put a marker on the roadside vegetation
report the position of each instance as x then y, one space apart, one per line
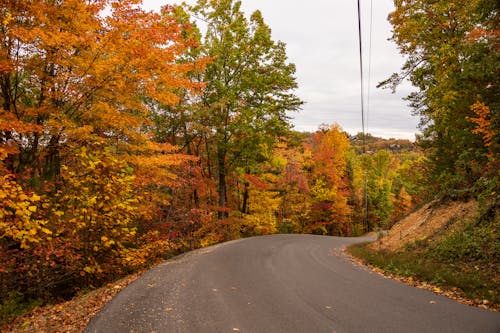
460 261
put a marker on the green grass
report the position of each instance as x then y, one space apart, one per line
474 280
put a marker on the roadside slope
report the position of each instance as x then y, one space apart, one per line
429 222
450 247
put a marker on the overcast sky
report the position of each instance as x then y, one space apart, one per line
322 40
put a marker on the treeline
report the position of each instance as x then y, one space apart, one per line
319 183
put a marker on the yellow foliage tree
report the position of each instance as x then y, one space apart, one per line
75 130
96 207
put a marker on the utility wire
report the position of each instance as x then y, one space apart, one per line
362 90
361 77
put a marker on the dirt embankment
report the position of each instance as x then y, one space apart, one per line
430 221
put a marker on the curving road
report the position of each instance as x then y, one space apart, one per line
280 283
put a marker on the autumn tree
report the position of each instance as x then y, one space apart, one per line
293 184
402 205
249 89
328 179
75 135
453 59
412 174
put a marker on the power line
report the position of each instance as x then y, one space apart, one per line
361 72
362 91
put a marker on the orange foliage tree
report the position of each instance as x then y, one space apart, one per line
76 145
328 180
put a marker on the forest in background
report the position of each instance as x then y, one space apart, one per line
128 137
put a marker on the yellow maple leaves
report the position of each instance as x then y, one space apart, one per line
17 220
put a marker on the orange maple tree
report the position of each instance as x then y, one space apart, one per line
77 154
328 180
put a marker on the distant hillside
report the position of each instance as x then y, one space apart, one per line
374 144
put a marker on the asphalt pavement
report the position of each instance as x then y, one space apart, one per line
281 283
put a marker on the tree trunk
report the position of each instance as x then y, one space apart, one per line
52 167
222 189
246 196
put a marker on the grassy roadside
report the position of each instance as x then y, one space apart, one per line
473 283
449 247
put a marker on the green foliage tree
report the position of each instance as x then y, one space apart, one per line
394 184
249 89
453 59
380 172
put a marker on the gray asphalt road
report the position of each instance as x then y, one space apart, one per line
280 283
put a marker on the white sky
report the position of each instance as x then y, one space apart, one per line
322 40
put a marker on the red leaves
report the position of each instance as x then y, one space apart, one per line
254 179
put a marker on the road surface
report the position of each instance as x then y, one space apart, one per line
281 283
